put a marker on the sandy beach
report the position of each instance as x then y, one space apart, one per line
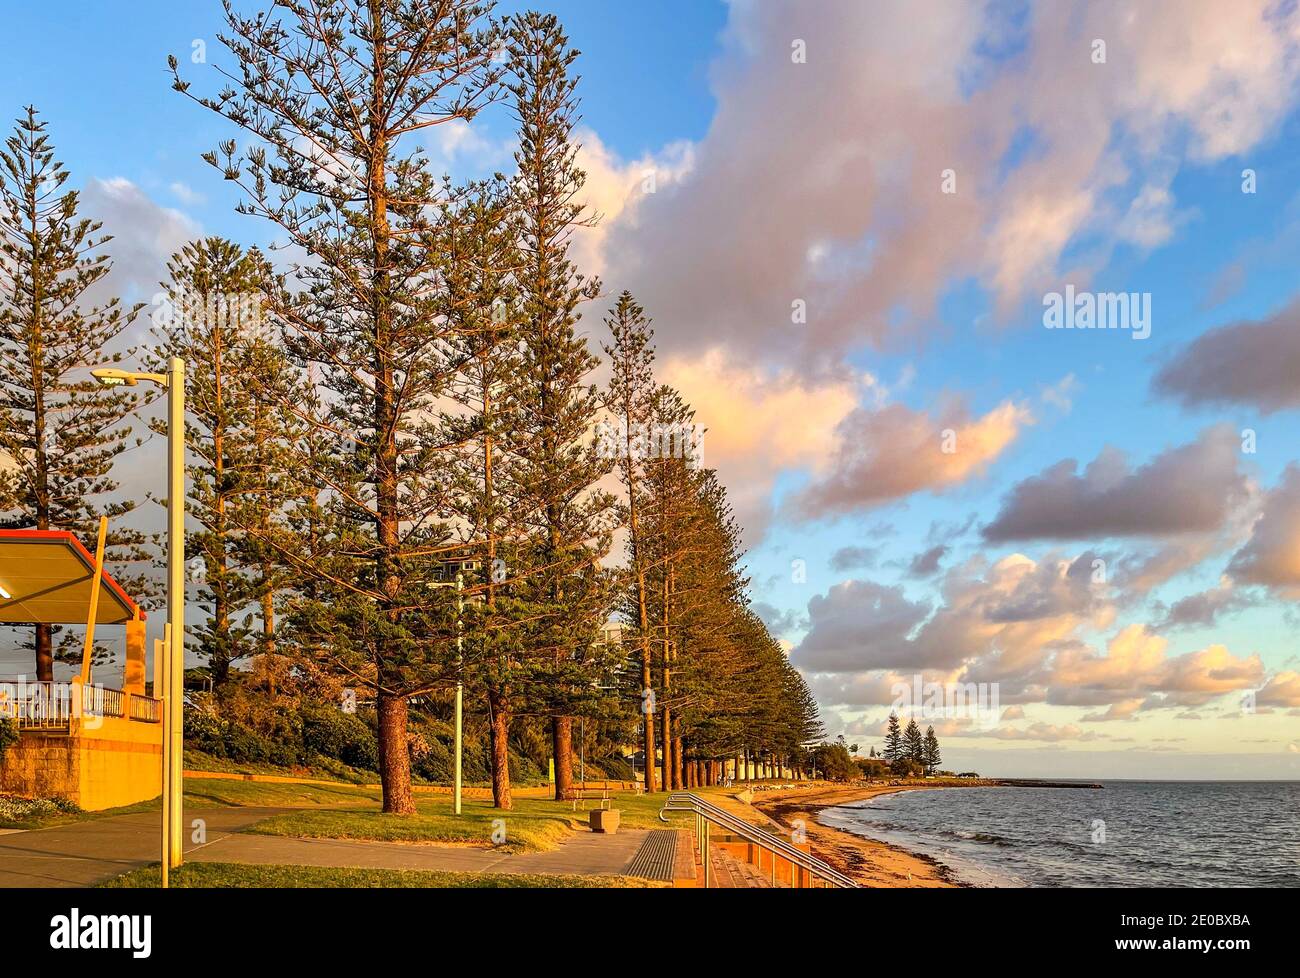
869 862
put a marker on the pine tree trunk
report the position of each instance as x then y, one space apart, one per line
394 757
499 705
648 718
677 765
45 653
268 625
395 761
562 744
219 662
667 778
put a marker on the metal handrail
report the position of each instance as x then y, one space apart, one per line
46 705
705 812
37 705
146 709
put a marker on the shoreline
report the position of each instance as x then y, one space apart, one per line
870 862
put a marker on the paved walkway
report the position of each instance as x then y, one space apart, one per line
89 852
86 853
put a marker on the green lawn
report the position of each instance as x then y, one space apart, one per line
533 824
221 875
208 792
524 830
330 770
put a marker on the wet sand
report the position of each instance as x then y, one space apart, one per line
871 863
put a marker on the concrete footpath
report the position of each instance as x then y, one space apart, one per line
90 852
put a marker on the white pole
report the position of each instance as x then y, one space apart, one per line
161 650
460 690
176 599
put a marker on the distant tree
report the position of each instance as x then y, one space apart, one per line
932 756
913 742
210 317
893 740
690 547
557 407
60 432
482 305
834 763
873 767
630 399
906 767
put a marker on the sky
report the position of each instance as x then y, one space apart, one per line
851 225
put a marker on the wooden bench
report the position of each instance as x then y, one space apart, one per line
599 795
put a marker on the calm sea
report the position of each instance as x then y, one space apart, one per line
1128 833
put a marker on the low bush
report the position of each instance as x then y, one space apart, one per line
8 735
343 736
14 809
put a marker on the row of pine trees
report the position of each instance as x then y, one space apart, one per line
909 744
393 468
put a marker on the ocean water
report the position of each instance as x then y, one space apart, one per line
1128 833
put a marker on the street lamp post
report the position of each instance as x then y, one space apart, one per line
173 381
460 686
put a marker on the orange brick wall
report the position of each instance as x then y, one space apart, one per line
104 763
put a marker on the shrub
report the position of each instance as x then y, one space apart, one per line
906 767
204 730
344 736
8 735
19 810
834 762
873 767
617 769
242 744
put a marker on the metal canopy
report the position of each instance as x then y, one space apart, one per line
47 576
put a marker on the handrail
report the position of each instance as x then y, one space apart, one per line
685 801
146 709
37 705
46 705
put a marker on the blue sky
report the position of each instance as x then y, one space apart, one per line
107 95
820 180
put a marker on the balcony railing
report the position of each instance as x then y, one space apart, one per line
54 706
146 709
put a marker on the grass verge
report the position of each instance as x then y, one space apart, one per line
533 824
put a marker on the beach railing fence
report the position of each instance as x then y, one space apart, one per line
810 868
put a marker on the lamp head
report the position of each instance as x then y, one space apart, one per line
112 377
